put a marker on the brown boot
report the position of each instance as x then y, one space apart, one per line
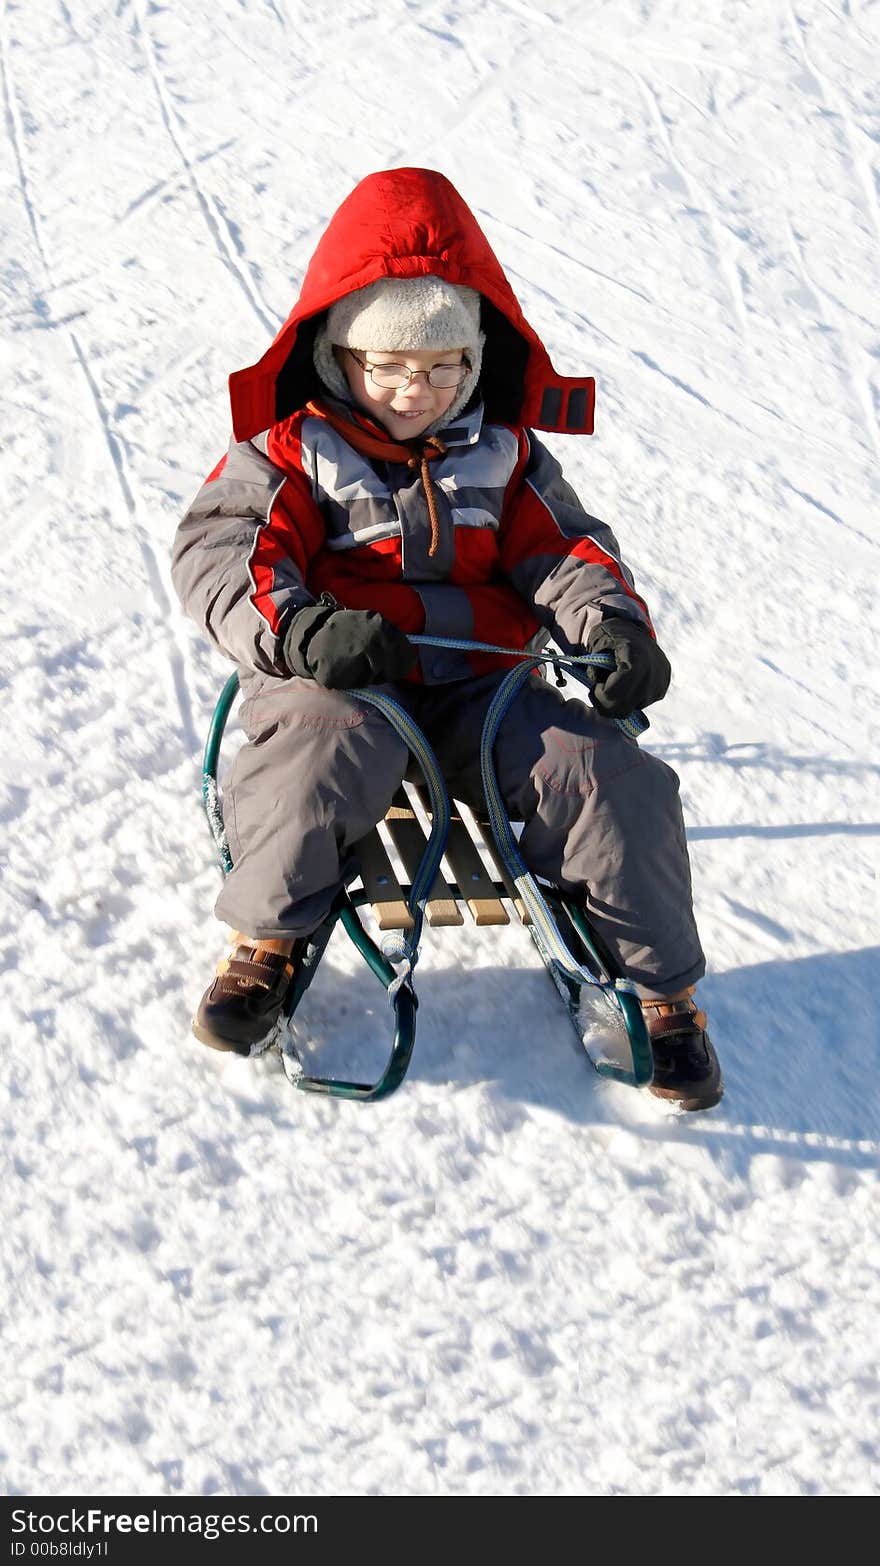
686 1068
243 1003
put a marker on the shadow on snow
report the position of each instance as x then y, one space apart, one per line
797 1042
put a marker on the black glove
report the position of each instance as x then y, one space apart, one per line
641 673
340 648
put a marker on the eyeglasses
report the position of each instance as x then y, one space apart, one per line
393 377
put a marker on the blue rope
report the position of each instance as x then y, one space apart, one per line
508 847
401 947
575 664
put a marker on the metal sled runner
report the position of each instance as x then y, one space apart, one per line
423 828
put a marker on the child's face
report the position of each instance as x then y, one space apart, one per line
406 411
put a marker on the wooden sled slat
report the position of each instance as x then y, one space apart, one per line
409 839
474 882
382 886
520 909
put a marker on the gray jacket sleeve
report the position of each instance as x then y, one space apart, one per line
233 561
565 563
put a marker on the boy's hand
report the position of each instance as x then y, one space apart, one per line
341 648
642 671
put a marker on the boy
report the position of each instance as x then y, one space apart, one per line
383 480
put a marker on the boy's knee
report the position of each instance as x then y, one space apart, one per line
588 763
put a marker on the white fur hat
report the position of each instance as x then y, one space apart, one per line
405 313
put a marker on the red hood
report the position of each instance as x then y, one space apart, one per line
405 223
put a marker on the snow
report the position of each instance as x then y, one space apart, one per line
511 1278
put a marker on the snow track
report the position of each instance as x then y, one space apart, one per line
510 1278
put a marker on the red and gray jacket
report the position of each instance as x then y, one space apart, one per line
314 497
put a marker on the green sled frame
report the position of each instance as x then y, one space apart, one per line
580 938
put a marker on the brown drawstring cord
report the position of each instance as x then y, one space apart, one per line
379 445
421 460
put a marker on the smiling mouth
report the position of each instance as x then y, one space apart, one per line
418 414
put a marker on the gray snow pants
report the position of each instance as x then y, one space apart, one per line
602 817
